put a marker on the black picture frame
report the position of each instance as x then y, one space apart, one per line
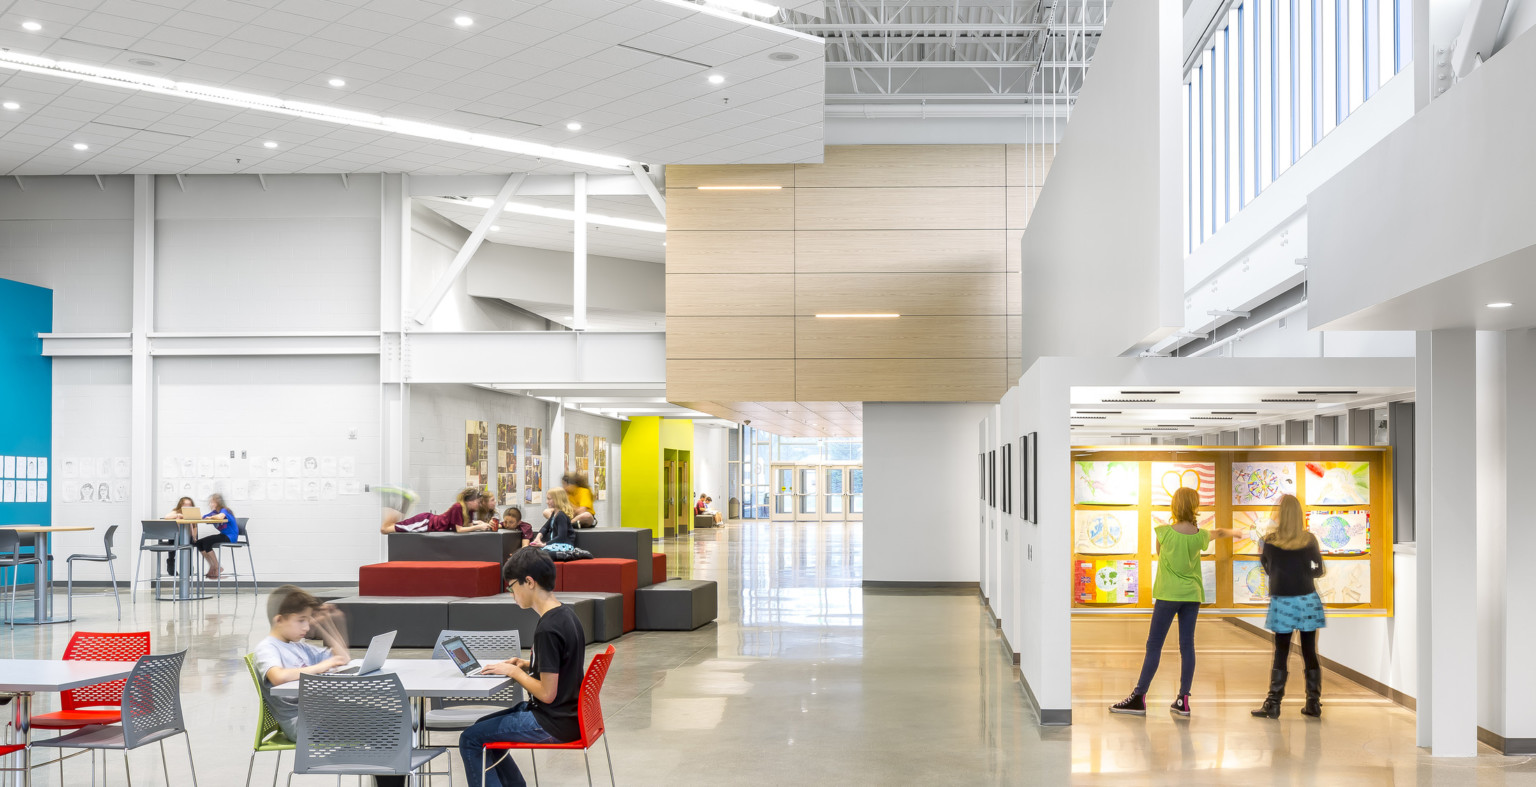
992 478
1033 460
981 475
1008 478
1025 496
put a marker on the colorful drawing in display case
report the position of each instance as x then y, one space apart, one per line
1207 579
1204 521
1250 585
1262 483
1107 532
1106 483
1251 526
1338 483
1341 532
1106 581
1347 582
1167 477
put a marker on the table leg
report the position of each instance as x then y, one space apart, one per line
23 723
184 562
41 549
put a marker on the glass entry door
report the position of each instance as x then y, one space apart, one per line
817 493
783 493
855 494
807 501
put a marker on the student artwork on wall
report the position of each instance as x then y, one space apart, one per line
1250 585
584 456
600 467
1341 532
1167 477
1203 520
1252 525
1262 483
1338 483
1106 532
24 479
1347 582
1106 483
476 455
1207 579
506 464
1105 581
533 463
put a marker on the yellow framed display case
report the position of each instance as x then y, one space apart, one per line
1120 493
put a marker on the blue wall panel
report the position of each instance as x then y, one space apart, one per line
26 395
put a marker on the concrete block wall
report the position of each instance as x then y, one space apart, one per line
91 401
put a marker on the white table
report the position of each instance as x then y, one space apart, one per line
42 578
23 677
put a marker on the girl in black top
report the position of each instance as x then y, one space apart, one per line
1293 560
557 529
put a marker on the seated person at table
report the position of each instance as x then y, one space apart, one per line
557 528
512 519
457 519
284 655
228 533
552 677
170 557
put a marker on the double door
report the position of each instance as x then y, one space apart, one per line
816 493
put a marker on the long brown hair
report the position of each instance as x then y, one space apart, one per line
1186 504
1290 526
216 501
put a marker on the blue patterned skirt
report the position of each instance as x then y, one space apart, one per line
1295 613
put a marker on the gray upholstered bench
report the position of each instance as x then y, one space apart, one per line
482 547
501 612
418 619
676 605
607 613
703 520
627 543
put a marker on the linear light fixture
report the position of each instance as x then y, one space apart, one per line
740 188
857 316
753 7
325 114
721 13
528 209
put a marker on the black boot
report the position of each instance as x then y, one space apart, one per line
1271 707
1314 706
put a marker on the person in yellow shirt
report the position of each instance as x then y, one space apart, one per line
580 492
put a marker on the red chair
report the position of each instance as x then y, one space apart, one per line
589 713
77 704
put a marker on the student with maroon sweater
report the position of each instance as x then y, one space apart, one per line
457 519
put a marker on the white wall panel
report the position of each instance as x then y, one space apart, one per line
90 421
75 237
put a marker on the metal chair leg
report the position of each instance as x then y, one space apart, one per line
69 593
127 770
251 559
587 761
609 753
112 572
165 762
250 767
535 760
190 762
278 769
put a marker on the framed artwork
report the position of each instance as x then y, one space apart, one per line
506 464
1106 483
1008 478
1347 582
1253 525
983 474
1034 476
476 456
992 478
1262 483
1024 490
1167 477
1338 483
1105 581
1341 532
1250 585
1106 532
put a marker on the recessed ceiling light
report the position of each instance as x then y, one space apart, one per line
269 144
11 105
337 82
783 57
144 61
573 126
716 79
1500 305
82 146
463 21
495 228
31 27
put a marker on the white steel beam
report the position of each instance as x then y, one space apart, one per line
533 186
578 253
461 260
602 363
141 378
648 186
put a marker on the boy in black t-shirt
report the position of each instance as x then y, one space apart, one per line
552 676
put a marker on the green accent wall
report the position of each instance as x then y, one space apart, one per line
645 442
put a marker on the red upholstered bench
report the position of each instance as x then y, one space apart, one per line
601 575
429 578
658 567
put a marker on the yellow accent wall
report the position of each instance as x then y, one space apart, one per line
645 441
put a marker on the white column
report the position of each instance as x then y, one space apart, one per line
579 253
1520 536
1446 532
142 387
394 266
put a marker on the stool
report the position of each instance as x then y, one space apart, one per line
658 568
620 542
606 575
430 578
607 613
676 605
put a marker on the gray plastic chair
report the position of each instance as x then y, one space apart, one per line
456 714
107 558
351 725
151 712
244 545
11 558
157 530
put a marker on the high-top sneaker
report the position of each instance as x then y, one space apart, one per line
1136 705
1180 705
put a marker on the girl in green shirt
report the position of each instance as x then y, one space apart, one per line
1178 591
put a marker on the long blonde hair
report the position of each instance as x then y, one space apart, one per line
1290 527
560 500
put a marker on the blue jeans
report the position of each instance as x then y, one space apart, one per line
515 724
1162 618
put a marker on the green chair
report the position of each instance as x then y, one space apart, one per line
269 736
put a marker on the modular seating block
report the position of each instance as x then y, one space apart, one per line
703 520
607 613
501 612
417 619
604 574
480 547
430 578
676 605
658 568
621 542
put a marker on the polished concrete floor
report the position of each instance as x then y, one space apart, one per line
808 678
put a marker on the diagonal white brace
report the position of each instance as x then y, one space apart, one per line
461 260
649 187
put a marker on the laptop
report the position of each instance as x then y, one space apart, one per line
373 660
190 513
462 658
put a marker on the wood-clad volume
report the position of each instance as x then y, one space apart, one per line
747 251
868 166
731 380
877 251
730 337
692 209
1029 164
693 176
965 208
899 379
951 294
907 337
729 295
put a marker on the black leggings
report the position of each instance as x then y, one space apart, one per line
207 543
1308 649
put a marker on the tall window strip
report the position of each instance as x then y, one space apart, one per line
1273 82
